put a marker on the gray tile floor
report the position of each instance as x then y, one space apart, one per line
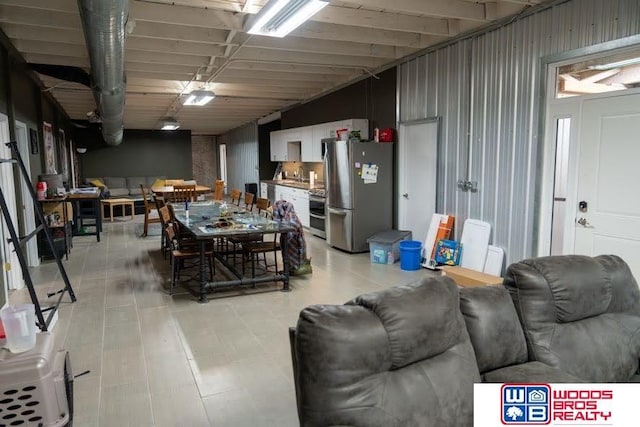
157 360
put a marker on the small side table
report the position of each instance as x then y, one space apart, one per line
118 202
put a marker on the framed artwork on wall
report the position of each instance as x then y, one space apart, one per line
33 139
49 149
62 152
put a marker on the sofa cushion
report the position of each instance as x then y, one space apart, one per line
87 181
493 326
115 182
361 363
530 372
597 341
152 179
413 332
118 192
133 184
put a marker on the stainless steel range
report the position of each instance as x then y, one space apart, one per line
317 212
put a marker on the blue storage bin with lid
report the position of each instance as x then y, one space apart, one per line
384 247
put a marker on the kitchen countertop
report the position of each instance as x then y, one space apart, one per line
293 183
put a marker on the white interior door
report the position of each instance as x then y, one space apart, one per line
26 209
12 275
418 152
607 212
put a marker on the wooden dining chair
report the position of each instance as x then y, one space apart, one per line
166 220
151 215
252 250
181 251
262 205
219 189
183 193
235 196
248 201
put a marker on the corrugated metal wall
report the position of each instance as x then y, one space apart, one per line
242 155
488 89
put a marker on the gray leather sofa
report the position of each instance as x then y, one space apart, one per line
579 314
400 357
410 355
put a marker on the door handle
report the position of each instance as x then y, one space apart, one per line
583 222
405 195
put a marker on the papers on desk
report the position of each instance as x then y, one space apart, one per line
85 190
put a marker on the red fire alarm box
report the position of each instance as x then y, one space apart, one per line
386 135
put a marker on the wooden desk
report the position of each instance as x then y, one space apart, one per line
167 191
94 198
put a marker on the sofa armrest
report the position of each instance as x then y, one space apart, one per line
294 363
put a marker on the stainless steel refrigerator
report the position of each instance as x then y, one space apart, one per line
358 183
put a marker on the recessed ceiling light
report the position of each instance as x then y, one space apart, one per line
199 97
169 123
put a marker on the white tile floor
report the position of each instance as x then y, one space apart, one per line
157 360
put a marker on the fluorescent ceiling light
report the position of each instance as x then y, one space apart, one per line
617 64
279 17
169 123
199 97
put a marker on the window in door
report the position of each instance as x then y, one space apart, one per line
615 72
223 165
563 139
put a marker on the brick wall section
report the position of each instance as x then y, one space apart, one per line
203 149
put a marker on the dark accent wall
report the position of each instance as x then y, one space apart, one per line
266 167
22 99
373 99
142 153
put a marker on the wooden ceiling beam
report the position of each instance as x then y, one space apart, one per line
251 53
325 31
51 48
69 6
182 15
458 9
41 17
173 46
331 47
382 20
292 68
166 31
43 34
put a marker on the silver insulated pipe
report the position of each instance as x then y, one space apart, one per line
103 22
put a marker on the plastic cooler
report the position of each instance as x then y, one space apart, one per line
384 247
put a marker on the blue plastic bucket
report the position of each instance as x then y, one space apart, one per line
410 254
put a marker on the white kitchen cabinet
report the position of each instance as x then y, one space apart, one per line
264 190
286 145
278 146
301 205
305 143
299 198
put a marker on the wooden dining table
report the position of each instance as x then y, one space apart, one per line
167 190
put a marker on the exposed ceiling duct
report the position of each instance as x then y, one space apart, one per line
104 24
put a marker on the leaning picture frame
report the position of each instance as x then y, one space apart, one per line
33 140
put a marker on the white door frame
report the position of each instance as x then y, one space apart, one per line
554 109
13 275
403 151
28 214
